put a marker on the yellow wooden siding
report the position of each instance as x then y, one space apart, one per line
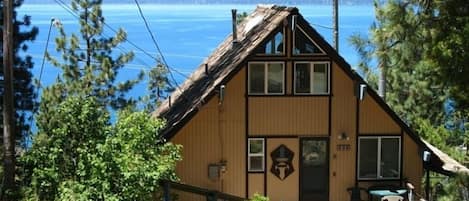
287 189
288 115
215 133
343 120
412 163
256 184
375 120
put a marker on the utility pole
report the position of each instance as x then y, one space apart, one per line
8 110
335 14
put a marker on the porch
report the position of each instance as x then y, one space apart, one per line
374 193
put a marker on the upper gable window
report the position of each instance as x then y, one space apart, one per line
311 77
274 46
266 78
304 45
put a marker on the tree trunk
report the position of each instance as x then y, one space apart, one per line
8 110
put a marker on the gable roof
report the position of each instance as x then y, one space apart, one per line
228 59
220 67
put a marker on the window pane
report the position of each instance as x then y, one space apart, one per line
256 163
390 157
278 43
272 46
256 78
275 78
302 78
268 48
368 158
256 146
303 45
320 78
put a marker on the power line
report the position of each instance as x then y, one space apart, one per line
42 69
71 11
122 49
156 43
45 51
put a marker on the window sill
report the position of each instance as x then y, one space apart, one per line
256 171
378 179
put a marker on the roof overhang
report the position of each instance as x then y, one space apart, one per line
442 163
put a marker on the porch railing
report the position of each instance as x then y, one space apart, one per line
211 195
412 195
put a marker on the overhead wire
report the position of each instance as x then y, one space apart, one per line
121 48
45 51
73 13
66 7
156 43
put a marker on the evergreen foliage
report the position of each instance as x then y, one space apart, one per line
77 153
89 62
80 156
158 87
421 49
22 83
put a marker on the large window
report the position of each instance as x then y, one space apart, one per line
311 78
379 157
266 78
256 154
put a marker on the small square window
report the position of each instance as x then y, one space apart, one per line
256 154
311 78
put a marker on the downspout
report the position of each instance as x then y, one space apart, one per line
222 162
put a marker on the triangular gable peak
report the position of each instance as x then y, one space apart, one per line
221 66
259 30
258 34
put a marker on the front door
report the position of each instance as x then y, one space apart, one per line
314 169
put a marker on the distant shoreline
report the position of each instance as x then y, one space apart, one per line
214 2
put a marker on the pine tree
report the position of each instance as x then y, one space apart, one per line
23 86
426 49
158 87
396 44
89 62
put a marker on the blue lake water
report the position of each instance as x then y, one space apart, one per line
186 33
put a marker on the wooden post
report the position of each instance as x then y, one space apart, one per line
335 14
166 191
8 110
427 185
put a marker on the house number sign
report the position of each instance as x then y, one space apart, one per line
282 162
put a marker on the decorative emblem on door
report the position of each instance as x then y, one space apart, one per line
282 162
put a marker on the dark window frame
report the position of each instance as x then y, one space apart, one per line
293 52
262 154
266 76
378 161
261 52
311 77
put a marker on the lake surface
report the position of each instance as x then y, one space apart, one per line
186 33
